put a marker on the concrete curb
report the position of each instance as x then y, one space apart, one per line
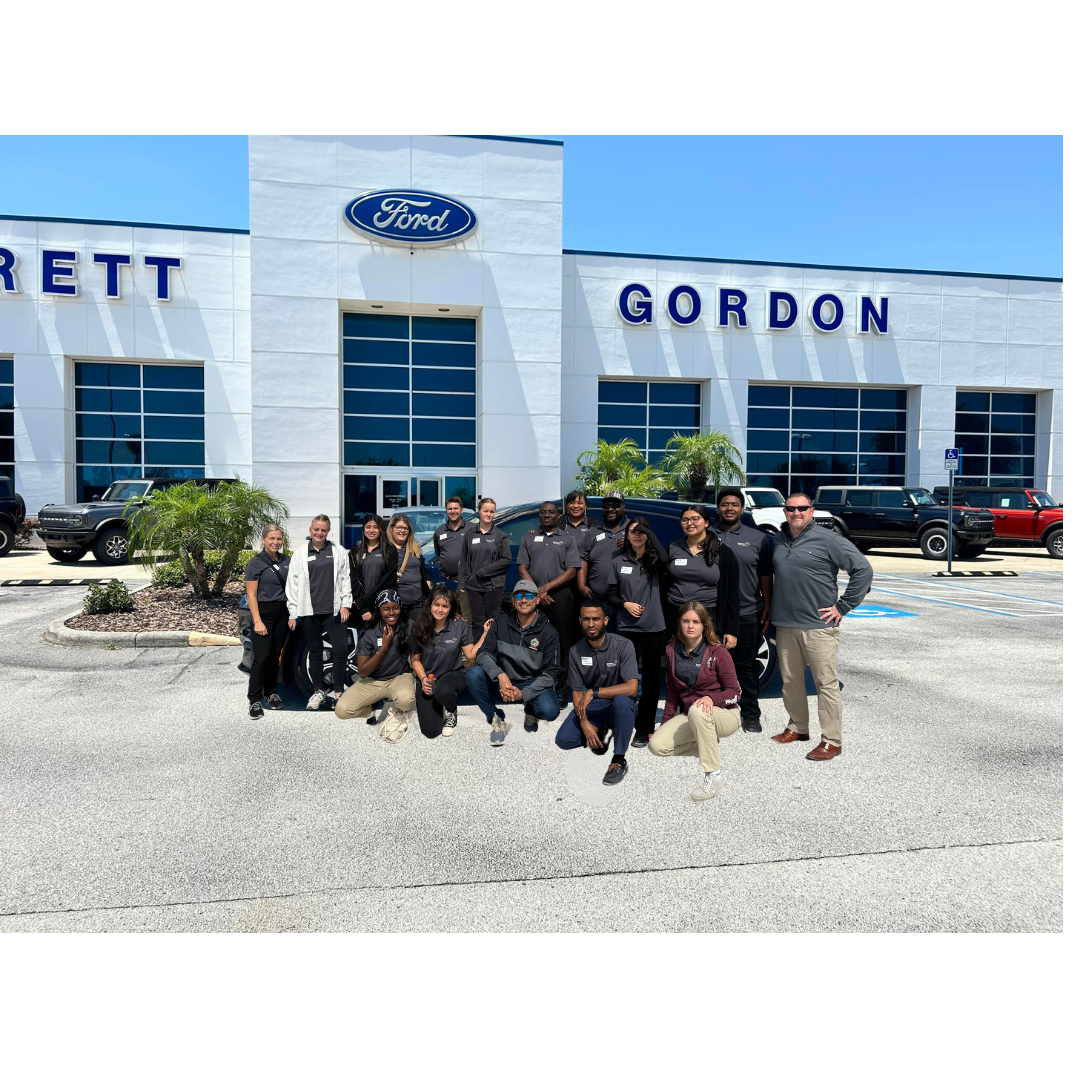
59 634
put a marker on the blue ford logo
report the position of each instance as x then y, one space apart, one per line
419 218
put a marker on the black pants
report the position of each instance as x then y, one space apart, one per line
560 613
483 606
671 615
429 710
262 682
313 626
650 646
744 656
410 613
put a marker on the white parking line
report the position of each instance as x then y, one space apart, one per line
969 588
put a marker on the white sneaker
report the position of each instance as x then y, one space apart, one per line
498 729
449 722
315 701
709 788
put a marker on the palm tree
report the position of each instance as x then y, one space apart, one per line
607 464
243 510
694 461
641 482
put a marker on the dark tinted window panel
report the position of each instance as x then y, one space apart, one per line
378 403
882 480
188 472
376 378
448 379
370 453
860 498
614 435
620 415
464 487
768 418
969 481
174 453
824 397
7 449
762 462
425 354
91 480
7 371
7 397
1026 481
683 418
8 472
623 392
883 399
359 497
883 421
436 429
463 405
106 374
972 465
377 428
1023 403
164 401
774 480
1012 444
357 324
427 328
890 500
1004 423
881 463
108 427
824 419
972 401
675 393
1009 466
659 437
767 440
830 496
107 400
822 463
972 422
974 498
108 453
375 352
972 444
447 456
823 441
7 425
654 457
882 442
174 427
768 395
172 378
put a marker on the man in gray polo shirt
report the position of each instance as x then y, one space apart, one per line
601 545
754 552
447 542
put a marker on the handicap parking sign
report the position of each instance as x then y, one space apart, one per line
952 458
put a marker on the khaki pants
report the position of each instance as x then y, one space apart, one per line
356 702
693 735
817 649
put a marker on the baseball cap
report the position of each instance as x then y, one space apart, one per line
525 585
614 493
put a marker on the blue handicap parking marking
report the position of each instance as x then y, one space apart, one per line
876 611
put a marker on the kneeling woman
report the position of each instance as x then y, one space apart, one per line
701 683
383 669
439 638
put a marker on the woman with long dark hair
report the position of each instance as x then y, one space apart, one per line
264 579
412 586
635 579
438 639
485 555
373 564
702 570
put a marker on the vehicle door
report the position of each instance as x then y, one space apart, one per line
893 518
858 513
1014 515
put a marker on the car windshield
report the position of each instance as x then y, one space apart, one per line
920 496
125 489
1042 499
766 496
425 522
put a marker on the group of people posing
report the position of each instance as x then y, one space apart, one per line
596 607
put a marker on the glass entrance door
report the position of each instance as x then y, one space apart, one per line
389 493
408 492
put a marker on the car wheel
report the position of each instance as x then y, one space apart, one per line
300 665
7 539
67 555
970 551
935 544
767 658
1055 544
111 547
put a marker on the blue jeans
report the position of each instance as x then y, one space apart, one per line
618 713
486 694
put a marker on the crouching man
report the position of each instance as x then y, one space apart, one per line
603 677
519 662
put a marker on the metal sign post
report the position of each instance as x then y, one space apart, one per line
952 463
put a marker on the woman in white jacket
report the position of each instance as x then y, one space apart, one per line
318 592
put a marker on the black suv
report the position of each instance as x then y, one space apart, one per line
903 517
71 530
12 514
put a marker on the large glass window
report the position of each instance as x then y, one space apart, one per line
137 420
996 436
7 419
410 391
648 412
801 437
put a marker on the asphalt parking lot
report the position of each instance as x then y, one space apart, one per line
135 794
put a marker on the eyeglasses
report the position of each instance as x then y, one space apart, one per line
796 509
692 520
524 596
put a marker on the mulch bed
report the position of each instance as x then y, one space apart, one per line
170 609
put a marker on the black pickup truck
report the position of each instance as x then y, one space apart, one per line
906 517
12 514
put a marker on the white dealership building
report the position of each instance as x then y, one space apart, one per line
403 322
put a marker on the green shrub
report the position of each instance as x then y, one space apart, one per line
105 599
170 575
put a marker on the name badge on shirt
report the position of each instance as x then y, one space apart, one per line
600 536
538 539
443 536
476 539
586 661
378 643
626 569
312 558
679 562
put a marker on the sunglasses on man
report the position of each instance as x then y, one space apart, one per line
797 509
525 596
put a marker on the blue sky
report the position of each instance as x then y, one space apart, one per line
989 204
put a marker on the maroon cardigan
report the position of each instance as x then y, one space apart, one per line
716 679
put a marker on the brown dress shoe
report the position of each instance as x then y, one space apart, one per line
787 735
824 752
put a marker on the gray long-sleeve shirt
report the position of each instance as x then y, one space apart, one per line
804 576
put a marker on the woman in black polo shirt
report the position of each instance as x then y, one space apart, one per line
412 586
703 570
373 564
485 555
438 639
264 578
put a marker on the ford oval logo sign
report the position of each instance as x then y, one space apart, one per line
415 218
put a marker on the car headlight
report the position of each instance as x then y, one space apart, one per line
976 523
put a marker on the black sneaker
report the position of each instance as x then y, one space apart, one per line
275 702
563 702
639 740
751 725
615 772
530 722
605 738
255 710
